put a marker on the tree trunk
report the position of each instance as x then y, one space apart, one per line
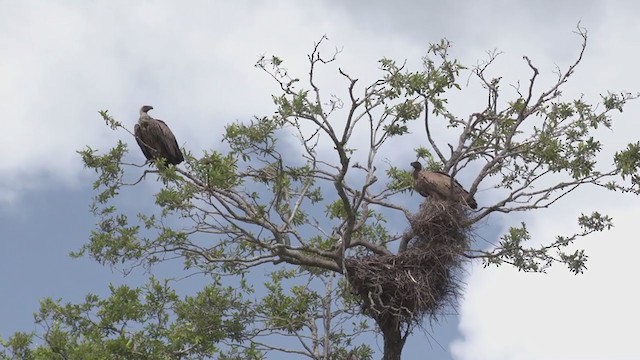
393 339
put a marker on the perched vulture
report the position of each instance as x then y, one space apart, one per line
437 185
156 139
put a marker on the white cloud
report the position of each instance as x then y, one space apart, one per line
507 314
61 61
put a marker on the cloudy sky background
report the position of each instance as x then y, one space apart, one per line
60 62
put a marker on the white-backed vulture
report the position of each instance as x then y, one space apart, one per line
437 185
156 139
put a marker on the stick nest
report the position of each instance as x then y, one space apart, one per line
422 280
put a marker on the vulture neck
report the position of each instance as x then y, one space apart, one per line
144 117
416 171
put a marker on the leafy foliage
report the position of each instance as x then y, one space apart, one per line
152 322
301 209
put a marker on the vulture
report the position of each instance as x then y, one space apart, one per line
437 185
156 139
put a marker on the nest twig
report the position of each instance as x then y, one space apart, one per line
422 280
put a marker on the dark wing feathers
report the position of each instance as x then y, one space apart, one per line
471 201
140 139
170 144
157 141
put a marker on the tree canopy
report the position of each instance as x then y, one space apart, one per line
290 219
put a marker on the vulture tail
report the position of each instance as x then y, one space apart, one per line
472 202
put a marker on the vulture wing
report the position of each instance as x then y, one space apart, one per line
427 184
439 184
458 192
142 140
157 141
170 149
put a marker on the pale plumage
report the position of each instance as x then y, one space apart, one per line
156 139
437 185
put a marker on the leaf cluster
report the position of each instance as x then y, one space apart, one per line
152 322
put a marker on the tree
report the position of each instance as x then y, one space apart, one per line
252 207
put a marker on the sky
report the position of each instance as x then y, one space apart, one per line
62 61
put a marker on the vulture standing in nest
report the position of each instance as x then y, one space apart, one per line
437 185
156 139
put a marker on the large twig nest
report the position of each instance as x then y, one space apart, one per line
421 280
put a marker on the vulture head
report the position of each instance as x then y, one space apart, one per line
144 109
